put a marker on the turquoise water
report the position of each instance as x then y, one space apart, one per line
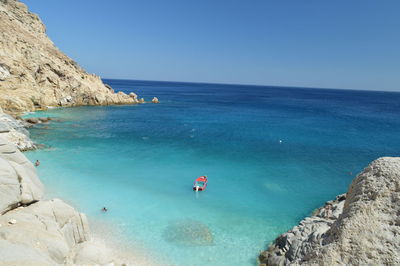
271 155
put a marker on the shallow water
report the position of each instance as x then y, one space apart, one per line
271 154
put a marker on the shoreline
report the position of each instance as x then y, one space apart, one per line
47 230
104 233
359 227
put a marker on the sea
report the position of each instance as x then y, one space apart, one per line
271 154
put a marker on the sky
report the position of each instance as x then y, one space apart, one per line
348 44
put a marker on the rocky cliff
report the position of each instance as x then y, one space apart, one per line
361 228
34 74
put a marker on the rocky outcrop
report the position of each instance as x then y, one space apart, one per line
14 131
362 229
36 232
19 184
34 74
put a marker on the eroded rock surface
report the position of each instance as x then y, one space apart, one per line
14 131
36 232
363 229
19 183
35 74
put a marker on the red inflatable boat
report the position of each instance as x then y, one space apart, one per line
200 183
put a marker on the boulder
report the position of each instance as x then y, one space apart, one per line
32 120
359 228
4 72
47 230
133 96
155 100
10 194
14 131
91 253
44 119
19 183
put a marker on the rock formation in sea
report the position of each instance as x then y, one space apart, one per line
359 228
35 74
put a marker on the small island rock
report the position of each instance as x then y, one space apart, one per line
155 100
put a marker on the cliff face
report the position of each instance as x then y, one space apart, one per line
362 228
34 74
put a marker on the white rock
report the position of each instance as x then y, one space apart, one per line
4 72
363 230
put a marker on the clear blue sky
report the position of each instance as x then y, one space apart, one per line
352 44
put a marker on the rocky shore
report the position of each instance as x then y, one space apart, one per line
35 74
361 227
35 231
15 132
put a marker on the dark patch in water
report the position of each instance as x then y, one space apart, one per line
188 233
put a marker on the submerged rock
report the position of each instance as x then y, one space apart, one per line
188 233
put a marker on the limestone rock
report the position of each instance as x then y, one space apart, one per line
362 229
10 194
35 74
48 230
32 120
19 183
14 131
134 96
90 253
155 100
4 72
368 230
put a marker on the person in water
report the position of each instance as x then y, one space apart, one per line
104 209
37 163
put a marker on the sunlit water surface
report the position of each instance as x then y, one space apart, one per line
271 154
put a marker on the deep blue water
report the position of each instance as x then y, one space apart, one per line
272 155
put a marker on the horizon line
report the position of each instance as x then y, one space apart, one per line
253 85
